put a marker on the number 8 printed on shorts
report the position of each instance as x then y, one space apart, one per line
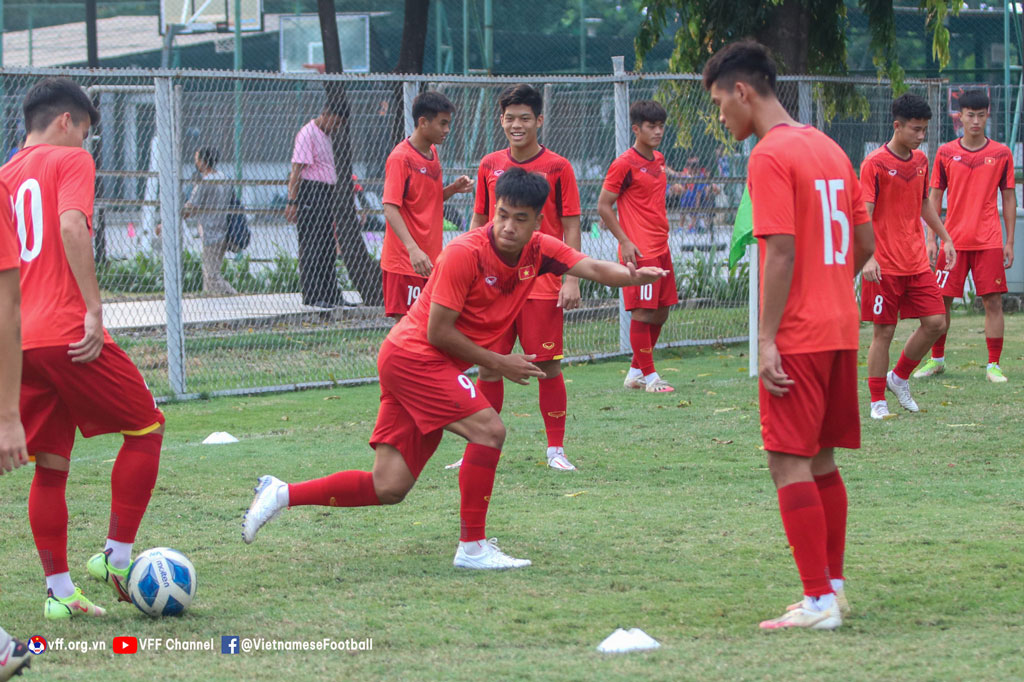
877 309
465 382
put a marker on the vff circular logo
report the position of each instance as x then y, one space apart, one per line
892 171
498 172
423 169
36 645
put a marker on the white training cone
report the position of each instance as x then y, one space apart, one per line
622 641
219 438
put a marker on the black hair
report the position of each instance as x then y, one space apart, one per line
748 61
521 188
521 94
973 99
429 104
208 155
646 111
51 97
908 106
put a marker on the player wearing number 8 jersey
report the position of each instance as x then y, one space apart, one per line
897 281
814 235
74 375
480 283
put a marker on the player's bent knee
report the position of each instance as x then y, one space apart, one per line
993 303
48 460
391 489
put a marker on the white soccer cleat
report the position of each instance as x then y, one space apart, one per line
265 507
844 604
803 616
659 386
454 465
491 558
557 460
635 382
901 389
879 409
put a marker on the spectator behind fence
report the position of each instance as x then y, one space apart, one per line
210 201
311 208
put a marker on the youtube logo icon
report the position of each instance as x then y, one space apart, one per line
126 645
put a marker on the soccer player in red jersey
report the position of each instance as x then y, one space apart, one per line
814 235
974 169
69 358
897 281
414 197
478 287
540 324
637 182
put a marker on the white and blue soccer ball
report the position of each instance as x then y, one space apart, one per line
162 582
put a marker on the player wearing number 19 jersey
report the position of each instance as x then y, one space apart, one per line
74 376
814 234
480 284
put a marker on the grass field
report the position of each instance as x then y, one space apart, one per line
670 525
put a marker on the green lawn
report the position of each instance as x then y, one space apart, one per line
670 525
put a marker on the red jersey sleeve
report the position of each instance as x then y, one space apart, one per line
396 175
939 173
869 180
1006 182
771 184
453 276
860 211
569 193
615 179
556 256
482 203
10 247
76 184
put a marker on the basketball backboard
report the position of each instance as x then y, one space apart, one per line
206 16
302 48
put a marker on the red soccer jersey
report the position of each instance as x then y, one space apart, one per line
801 183
563 201
488 292
640 184
10 247
413 182
45 181
897 187
972 180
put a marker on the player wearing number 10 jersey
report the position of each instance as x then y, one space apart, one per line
814 235
479 285
74 375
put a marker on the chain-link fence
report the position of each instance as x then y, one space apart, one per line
181 156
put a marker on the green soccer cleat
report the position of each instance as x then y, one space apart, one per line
994 374
929 369
75 605
99 567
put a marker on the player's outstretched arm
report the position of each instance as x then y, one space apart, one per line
934 226
1009 220
615 275
443 335
12 435
863 245
74 230
419 260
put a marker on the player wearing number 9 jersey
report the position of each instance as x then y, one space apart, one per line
814 235
74 376
479 285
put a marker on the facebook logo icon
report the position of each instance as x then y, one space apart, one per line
229 644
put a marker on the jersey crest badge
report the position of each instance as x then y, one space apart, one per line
990 160
491 280
892 172
527 272
920 170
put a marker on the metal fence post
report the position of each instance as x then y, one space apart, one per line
168 169
409 92
621 145
935 102
753 316
804 102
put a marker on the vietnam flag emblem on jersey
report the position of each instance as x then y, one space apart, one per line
989 160
527 272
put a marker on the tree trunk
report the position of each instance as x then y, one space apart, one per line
787 35
410 59
363 270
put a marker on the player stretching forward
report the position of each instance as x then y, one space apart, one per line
637 181
897 279
414 199
478 287
74 375
539 325
808 216
973 168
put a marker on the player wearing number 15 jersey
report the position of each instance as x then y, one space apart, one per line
897 281
814 235
74 376
480 283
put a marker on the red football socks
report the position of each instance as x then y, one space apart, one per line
904 366
655 333
48 516
643 348
995 349
833 500
494 391
876 385
939 347
803 517
131 484
553 405
476 482
343 489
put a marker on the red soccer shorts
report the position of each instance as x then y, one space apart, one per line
400 292
820 410
899 297
986 266
539 329
419 396
107 395
660 294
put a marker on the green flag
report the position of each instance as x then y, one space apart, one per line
742 229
